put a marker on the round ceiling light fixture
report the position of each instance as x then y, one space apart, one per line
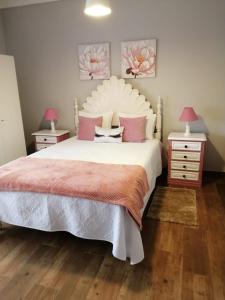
97 8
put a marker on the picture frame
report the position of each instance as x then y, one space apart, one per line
94 61
138 59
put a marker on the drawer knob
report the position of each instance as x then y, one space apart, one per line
184 166
185 156
45 139
185 146
184 176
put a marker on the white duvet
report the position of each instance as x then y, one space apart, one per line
82 217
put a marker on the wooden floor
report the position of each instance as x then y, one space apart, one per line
181 262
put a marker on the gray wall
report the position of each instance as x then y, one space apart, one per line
190 63
2 37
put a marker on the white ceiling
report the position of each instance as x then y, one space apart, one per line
14 3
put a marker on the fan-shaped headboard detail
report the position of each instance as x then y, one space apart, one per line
117 96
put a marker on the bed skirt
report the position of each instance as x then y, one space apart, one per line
80 217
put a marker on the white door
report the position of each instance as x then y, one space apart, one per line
12 142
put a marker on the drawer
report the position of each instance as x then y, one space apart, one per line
184 165
42 146
46 139
182 155
192 146
185 175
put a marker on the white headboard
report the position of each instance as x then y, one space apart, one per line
117 96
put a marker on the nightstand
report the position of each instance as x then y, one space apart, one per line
185 159
45 138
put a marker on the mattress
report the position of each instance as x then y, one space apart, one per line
82 217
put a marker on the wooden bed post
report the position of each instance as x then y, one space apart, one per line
158 133
76 119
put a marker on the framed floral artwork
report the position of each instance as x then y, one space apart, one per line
138 59
94 61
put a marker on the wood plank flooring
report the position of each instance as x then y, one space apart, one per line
181 262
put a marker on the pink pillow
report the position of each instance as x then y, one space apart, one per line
87 127
134 129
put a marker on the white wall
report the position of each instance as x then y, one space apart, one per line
190 63
14 3
2 37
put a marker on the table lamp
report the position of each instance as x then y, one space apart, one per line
188 115
97 8
51 115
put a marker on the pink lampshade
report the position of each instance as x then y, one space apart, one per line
188 115
50 114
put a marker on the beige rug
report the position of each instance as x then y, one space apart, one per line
176 205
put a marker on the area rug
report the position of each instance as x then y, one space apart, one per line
176 205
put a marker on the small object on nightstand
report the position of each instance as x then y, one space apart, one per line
45 138
185 159
188 115
51 115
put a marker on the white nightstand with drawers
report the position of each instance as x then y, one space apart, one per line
45 138
185 159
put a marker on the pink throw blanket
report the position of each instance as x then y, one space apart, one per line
124 185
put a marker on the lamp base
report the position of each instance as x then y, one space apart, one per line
187 131
52 126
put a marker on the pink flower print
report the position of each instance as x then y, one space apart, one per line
94 63
139 60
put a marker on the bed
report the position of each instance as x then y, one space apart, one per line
82 217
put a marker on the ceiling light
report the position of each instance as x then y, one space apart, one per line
97 8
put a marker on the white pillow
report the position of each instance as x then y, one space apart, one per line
106 117
150 125
103 135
